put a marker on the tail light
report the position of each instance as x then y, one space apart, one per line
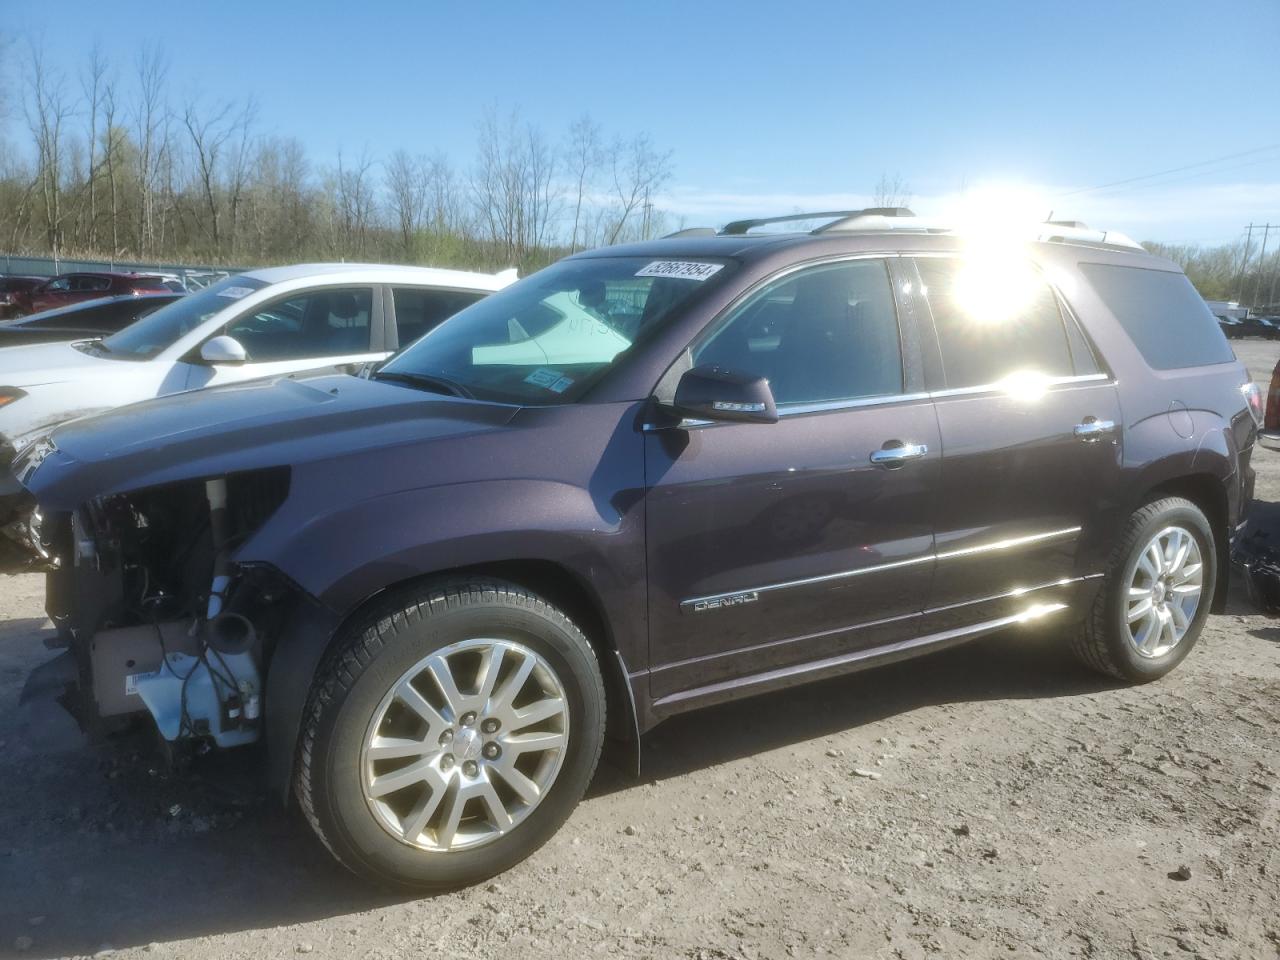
1253 397
1271 417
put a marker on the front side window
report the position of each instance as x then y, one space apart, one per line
160 330
550 337
994 320
420 309
59 284
828 333
320 323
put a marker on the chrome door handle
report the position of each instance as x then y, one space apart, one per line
893 457
1093 429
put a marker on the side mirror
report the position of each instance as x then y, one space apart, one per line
713 393
223 349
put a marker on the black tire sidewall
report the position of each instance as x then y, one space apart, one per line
1180 513
345 817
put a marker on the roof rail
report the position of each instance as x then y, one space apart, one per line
692 232
1074 231
742 226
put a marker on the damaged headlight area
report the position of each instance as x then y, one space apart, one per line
159 616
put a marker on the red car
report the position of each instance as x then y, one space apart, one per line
68 288
15 293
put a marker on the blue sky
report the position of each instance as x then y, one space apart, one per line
767 106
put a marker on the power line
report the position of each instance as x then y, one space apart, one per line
1164 173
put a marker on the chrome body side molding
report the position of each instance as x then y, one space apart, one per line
720 601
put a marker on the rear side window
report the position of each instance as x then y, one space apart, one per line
993 323
1167 320
419 310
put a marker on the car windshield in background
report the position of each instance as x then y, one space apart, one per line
160 330
548 339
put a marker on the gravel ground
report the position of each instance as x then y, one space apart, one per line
988 801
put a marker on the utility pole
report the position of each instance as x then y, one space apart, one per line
1271 297
1244 262
1262 259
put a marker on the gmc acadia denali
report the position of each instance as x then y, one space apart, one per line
646 479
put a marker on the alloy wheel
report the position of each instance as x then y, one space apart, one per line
465 745
1164 592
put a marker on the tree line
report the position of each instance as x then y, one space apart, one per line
106 164
1242 271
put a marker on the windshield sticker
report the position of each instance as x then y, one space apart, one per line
561 385
542 377
680 270
235 293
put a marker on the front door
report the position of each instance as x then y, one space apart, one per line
308 330
1030 444
771 546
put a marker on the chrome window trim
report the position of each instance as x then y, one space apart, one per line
1009 543
826 406
995 388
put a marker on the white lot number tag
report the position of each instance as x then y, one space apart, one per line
680 269
235 293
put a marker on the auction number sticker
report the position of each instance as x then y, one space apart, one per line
235 293
680 269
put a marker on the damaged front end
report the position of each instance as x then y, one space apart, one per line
158 616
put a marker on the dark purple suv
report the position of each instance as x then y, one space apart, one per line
644 480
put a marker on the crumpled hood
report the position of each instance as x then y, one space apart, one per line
33 364
246 426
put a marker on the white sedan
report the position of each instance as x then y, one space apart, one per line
262 323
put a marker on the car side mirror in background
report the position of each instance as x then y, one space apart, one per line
713 393
223 349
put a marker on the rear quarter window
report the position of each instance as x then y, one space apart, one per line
1167 320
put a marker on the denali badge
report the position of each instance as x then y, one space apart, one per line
719 603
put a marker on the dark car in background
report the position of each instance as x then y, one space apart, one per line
646 479
1235 328
69 288
83 321
14 292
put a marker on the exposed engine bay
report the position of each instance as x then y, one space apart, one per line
159 619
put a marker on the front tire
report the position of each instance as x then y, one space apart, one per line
449 734
1158 590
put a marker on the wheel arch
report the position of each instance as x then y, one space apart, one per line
1207 492
300 653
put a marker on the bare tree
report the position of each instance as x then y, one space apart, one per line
93 83
583 154
440 186
514 185
638 172
220 149
48 110
356 209
151 119
891 192
407 193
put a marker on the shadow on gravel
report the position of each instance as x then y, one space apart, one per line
111 851
1012 665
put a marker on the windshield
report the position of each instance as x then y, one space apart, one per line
162 329
547 339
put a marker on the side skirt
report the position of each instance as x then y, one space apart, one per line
848 663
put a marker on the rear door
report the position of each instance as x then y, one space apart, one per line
1029 423
306 330
772 546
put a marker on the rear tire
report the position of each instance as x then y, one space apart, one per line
449 734
1143 622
